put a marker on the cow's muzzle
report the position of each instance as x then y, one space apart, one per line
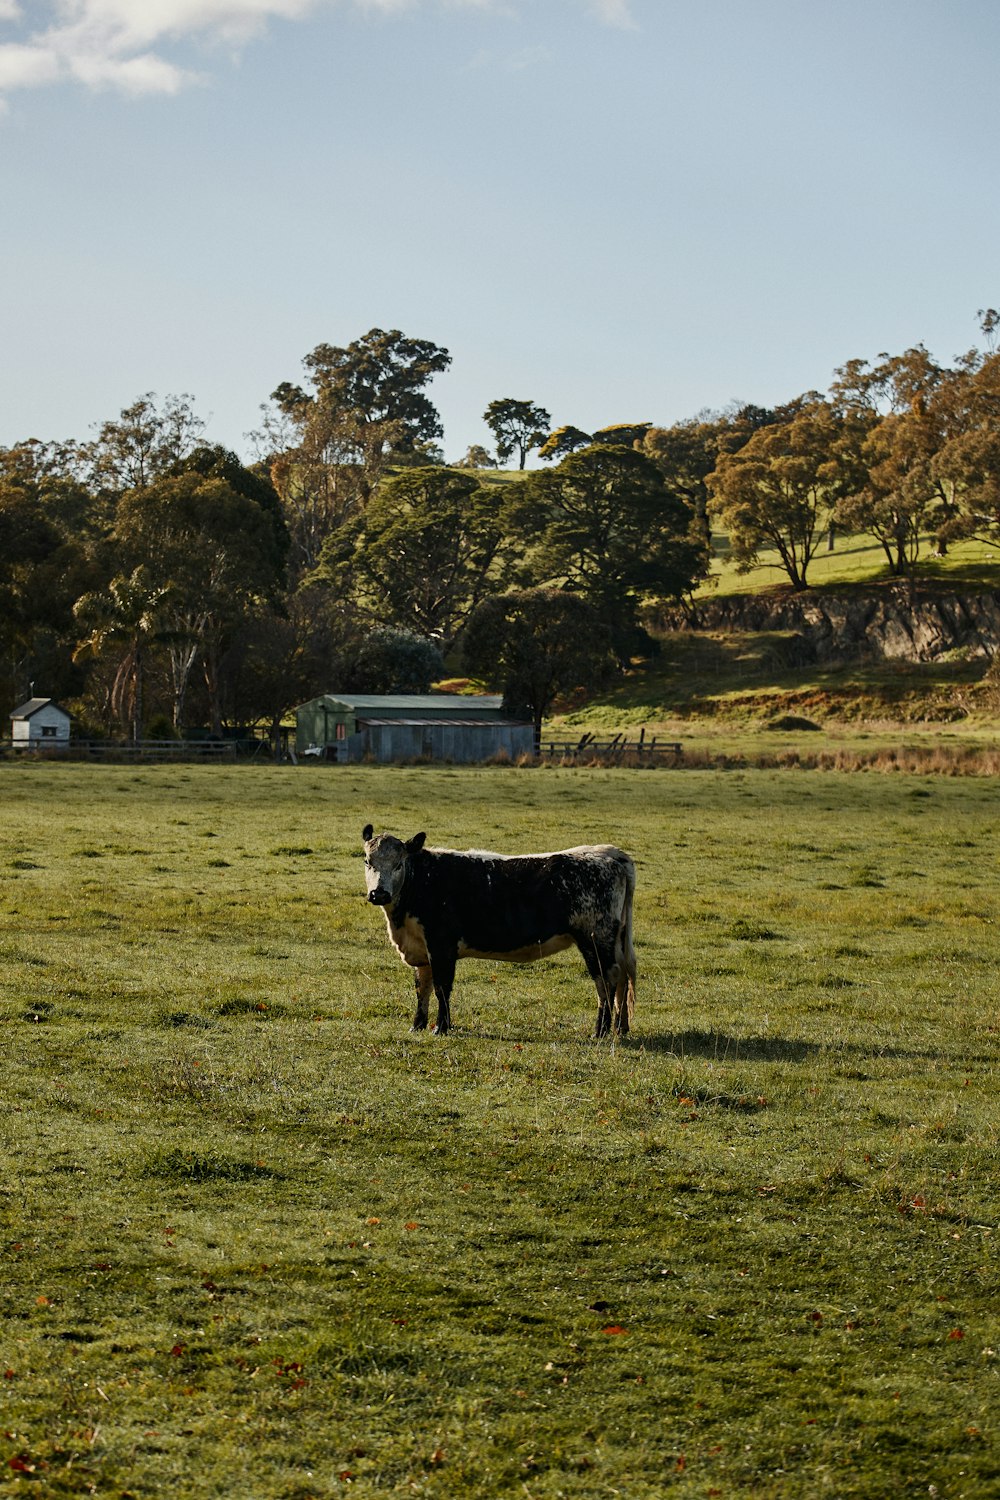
379 897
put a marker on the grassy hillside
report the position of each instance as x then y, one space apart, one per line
722 691
856 562
716 689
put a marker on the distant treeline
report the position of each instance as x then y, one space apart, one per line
153 582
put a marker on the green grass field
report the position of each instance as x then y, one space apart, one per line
259 1241
857 562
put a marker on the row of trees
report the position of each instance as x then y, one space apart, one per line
903 449
147 575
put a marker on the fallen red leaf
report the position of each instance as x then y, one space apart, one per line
614 1328
957 1333
22 1464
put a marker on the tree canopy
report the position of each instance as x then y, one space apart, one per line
429 547
517 427
146 572
534 644
780 488
329 447
605 524
562 441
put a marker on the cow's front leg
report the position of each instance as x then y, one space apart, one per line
443 965
424 981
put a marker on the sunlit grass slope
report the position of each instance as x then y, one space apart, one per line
856 562
734 690
258 1240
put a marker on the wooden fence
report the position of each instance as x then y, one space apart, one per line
138 749
620 750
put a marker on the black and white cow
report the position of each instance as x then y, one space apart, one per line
443 904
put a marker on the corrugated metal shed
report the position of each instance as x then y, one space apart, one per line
409 726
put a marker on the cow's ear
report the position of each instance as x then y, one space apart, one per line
417 842
367 832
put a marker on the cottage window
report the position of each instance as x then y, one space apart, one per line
341 731
48 731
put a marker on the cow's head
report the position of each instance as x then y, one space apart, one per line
386 863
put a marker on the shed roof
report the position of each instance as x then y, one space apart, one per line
33 705
441 723
417 702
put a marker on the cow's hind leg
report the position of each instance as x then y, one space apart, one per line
600 960
624 1004
423 979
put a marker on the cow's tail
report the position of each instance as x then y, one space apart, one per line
624 1006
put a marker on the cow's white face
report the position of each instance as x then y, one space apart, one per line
386 864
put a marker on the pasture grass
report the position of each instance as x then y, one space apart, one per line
258 1240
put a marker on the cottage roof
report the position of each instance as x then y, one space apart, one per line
32 706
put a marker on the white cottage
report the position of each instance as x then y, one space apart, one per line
39 724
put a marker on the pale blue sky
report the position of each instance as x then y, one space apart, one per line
621 209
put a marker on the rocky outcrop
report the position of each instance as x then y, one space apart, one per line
886 626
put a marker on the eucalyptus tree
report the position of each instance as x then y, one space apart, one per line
900 410
536 644
780 488
388 659
47 560
145 440
363 410
431 544
476 457
686 454
124 617
622 434
966 464
605 524
562 441
214 553
517 427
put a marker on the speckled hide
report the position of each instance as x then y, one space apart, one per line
441 905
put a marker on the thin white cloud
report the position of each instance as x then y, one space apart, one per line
131 25
615 13
27 67
124 44
143 74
